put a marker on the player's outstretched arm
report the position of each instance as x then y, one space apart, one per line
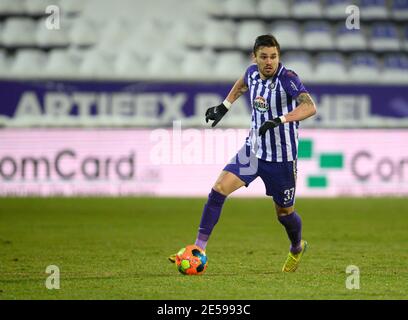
216 113
305 109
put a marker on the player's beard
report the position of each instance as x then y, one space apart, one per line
268 72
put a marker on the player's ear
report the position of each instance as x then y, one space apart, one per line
253 57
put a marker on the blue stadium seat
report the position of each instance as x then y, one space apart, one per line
405 38
395 68
396 61
384 36
350 39
329 64
399 9
373 9
336 8
364 67
307 8
318 35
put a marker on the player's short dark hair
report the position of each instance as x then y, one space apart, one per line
266 40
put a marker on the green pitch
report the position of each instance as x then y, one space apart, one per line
117 249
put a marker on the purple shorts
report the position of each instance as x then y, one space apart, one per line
279 177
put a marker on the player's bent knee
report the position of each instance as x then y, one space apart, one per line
281 211
220 188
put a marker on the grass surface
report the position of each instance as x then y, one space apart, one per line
110 248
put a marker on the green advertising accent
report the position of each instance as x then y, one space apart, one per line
331 160
305 149
317 181
327 160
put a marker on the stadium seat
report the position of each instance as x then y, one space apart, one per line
211 7
307 8
399 9
49 38
83 33
337 8
230 65
72 6
220 34
142 38
405 38
273 8
163 66
60 64
39 6
364 67
19 32
96 65
234 8
197 63
384 36
329 64
12 6
301 63
373 9
350 39
287 33
129 65
188 32
28 62
395 69
317 35
4 64
247 33
112 36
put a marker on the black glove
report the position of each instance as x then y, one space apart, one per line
269 124
215 113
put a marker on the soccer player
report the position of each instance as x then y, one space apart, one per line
279 101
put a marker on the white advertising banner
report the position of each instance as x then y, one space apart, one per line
186 162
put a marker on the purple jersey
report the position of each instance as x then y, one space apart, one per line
272 98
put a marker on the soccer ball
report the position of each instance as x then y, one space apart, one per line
191 260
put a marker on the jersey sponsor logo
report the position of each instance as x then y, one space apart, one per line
261 104
293 85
